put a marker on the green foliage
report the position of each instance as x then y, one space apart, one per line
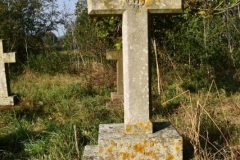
35 148
91 36
203 41
43 128
194 48
27 25
53 63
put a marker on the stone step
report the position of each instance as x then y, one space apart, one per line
113 144
164 143
90 152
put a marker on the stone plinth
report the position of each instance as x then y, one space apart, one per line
164 143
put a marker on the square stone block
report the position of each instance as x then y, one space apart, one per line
90 152
164 144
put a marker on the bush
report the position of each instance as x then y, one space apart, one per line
53 63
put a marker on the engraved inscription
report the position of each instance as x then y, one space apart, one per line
136 3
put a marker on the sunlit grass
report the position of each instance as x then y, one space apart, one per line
42 125
53 109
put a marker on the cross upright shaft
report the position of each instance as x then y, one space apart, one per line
135 54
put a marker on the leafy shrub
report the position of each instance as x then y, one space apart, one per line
53 63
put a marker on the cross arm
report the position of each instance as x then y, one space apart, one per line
106 7
165 6
8 57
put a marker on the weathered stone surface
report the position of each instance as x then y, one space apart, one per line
113 7
7 101
90 152
110 7
135 68
135 54
4 83
114 144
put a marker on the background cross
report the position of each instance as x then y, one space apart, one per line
5 58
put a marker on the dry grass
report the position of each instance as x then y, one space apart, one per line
56 117
209 123
209 120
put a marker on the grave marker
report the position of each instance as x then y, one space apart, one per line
135 53
135 138
117 55
5 99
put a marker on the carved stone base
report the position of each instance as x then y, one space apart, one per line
114 144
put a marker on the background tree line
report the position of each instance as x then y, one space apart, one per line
198 45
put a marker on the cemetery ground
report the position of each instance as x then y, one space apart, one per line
59 112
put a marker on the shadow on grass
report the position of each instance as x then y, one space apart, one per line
220 137
166 110
188 150
12 144
23 143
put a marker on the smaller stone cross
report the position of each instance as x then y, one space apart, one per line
5 99
117 55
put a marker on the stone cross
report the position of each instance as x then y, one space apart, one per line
135 37
117 55
5 99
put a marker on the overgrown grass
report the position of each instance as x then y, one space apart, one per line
208 121
58 114
51 111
